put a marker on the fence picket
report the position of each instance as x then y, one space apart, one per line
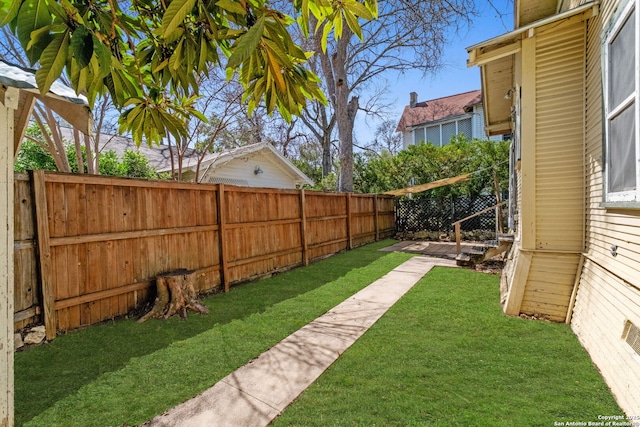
103 240
303 229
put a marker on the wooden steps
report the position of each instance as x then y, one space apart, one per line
480 253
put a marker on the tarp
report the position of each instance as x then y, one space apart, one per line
428 186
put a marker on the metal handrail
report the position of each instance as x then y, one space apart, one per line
456 224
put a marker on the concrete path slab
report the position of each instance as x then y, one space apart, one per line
256 393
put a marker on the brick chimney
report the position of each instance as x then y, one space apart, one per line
413 99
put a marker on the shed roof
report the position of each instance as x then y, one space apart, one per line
438 109
159 156
62 99
25 78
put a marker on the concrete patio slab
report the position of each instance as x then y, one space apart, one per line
445 250
256 393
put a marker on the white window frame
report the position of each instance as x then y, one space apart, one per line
439 127
632 195
416 139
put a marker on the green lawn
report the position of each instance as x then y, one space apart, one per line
445 355
124 373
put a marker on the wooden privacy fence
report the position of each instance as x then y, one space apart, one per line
88 248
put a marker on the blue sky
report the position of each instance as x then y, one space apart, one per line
455 77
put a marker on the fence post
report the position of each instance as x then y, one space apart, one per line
44 252
8 106
303 229
349 235
224 276
375 221
458 237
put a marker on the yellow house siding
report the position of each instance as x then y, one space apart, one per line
609 288
549 285
559 176
603 305
551 180
242 169
518 234
528 137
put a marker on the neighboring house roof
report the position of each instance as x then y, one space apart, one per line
217 160
438 109
160 158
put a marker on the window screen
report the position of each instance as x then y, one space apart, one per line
622 151
622 98
433 134
418 136
464 126
448 130
622 62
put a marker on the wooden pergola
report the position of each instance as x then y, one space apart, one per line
18 93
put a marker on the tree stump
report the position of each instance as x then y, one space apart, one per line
175 295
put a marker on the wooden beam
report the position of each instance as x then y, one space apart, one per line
481 212
574 292
327 218
518 284
95 296
498 128
264 257
327 243
479 57
262 223
77 115
44 252
6 257
19 316
124 235
21 120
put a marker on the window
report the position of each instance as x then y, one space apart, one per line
465 126
448 131
622 111
433 134
441 133
418 136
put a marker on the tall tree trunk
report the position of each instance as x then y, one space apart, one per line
78 144
52 142
335 73
327 164
318 123
91 147
346 115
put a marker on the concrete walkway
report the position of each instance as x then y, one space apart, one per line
255 394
